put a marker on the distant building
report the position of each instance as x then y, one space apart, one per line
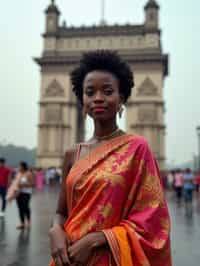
60 123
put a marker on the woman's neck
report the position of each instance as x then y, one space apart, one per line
23 171
104 128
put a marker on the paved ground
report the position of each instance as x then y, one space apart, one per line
30 248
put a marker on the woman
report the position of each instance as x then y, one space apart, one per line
25 184
188 186
39 176
197 181
178 184
111 208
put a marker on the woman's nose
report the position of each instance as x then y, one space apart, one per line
98 96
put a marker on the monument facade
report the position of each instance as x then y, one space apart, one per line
60 118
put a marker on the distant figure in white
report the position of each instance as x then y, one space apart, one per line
21 189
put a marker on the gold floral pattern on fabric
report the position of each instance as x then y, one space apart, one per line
113 178
116 164
84 227
157 242
146 263
106 210
151 194
165 225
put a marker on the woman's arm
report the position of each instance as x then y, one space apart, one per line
59 241
80 251
61 211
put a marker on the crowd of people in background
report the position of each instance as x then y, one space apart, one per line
183 182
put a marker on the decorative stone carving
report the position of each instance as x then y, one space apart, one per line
53 114
147 114
147 88
54 89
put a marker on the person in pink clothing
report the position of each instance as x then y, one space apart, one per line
197 181
178 184
5 174
39 178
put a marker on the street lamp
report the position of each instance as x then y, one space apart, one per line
198 135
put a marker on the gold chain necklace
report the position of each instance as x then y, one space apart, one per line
109 135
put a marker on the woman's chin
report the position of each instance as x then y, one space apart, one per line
100 118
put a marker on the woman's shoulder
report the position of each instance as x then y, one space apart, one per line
71 152
140 145
72 148
138 139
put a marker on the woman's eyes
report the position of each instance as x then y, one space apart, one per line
107 92
89 93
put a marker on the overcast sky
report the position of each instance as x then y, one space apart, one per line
22 23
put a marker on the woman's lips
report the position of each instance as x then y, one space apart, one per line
99 109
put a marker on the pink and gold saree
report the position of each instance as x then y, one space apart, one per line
116 189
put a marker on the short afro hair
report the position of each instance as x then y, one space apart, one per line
105 60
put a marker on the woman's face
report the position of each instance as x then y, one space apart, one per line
21 168
101 98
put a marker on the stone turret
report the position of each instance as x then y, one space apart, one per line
152 15
52 18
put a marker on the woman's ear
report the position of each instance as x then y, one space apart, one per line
122 100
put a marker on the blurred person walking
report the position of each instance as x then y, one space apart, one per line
50 175
178 184
58 175
164 179
5 173
197 181
170 179
25 183
188 186
39 177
